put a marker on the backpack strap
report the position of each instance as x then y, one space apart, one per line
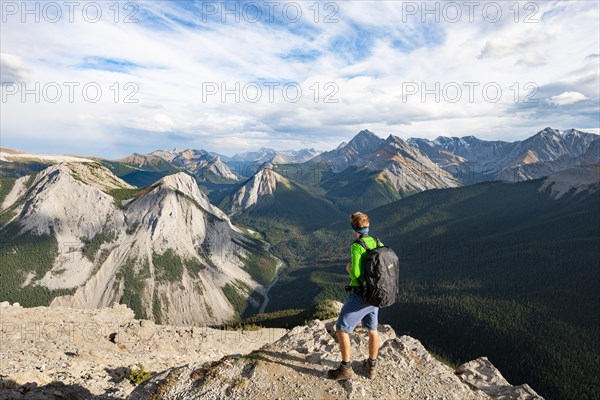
362 243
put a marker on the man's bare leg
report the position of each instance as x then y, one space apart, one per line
344 340
344 371
369 364
373 344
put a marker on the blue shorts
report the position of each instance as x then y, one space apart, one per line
354 311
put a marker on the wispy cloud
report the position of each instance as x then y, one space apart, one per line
108 64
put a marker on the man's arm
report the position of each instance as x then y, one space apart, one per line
356 252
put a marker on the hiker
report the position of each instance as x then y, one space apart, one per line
355 309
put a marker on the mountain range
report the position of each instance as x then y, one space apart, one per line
241 161
366 172
547 151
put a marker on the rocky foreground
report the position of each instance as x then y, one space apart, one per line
62 353
53 353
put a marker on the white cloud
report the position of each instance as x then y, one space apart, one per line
516 45
566 98
176 60
11 68
590 130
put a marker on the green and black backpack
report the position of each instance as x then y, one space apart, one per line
381 266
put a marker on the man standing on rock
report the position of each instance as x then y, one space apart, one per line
355 309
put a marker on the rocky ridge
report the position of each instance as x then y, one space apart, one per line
542 154
266 155
405 167
200 163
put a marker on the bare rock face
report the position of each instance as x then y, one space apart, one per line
263 183
60 353
577 179
481 374
295 366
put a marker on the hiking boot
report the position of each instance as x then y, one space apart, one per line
340 373
370 370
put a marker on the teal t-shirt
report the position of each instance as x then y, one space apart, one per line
357 252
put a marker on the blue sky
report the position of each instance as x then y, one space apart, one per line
224 76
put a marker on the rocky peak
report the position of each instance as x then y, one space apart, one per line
191 153
202 164
186 184
546 137
341 145
263 183
141 159
261 155
548 131
167 155
265 154
92 173
578 142
396 145
365 141
186 157
442 140
267 179
70 200
570 132
547 144
396 141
